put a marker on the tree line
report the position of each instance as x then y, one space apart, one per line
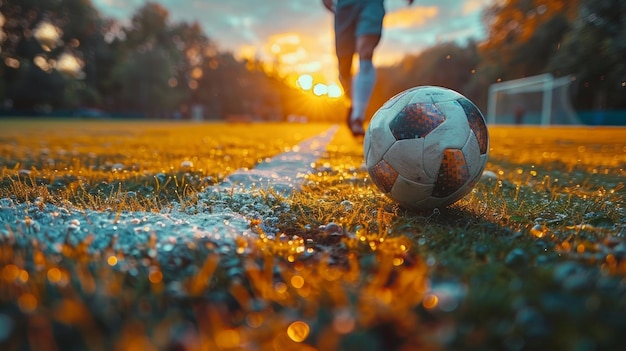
582 38
149 67
63 55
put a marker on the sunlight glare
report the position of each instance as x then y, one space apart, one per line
247 52
334 91
284 43
305 82
320 89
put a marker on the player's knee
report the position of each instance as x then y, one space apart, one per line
366 52
366 57
366 46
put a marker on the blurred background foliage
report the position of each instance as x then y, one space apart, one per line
63 56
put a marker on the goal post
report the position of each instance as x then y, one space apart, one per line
540 99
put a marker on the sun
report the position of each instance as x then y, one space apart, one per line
319 87
306 62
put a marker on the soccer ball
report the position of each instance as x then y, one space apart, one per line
426 147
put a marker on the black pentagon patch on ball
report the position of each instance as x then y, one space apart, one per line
383 175
453 173
477 123
416 121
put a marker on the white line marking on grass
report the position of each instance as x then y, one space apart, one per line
220 215
284 172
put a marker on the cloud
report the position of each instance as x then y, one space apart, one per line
249 29
410 17
473 6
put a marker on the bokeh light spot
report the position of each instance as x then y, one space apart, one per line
112 260
334 91
298 331
27 302
297 281
305 82
228 338
10 272
54 275
430 301
320 89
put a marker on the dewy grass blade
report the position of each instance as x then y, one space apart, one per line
117 231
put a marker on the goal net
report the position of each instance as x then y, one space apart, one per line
540 99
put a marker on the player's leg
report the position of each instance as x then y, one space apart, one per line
345 72
365 78
365 45
369 31
345 43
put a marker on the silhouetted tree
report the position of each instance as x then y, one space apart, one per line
448 65
523 35
147 58
594 51
36 77
154 67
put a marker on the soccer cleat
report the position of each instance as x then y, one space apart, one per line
356 127
355 124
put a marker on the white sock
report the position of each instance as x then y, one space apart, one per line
362 87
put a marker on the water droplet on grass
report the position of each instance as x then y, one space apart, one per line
534 323
488 175
333 228
6 203
539 231
517 258
447 295
347 205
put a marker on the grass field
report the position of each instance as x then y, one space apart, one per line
533 258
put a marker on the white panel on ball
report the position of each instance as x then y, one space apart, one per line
406 157
377 141
398 101
453 133
434 94
405 191
471 152
432 158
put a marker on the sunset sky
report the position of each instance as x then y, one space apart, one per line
298 33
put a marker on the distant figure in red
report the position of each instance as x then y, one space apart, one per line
358 29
